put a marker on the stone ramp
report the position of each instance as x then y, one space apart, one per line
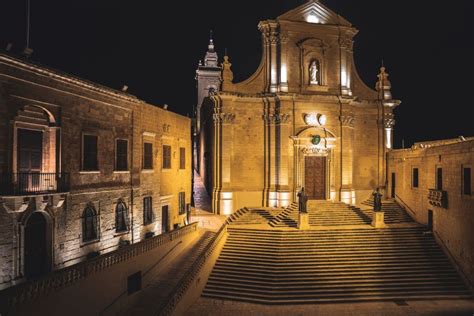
324 266
156 294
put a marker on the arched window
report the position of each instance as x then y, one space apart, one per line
121 217
89 224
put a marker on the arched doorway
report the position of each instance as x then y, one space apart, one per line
313 157
36 246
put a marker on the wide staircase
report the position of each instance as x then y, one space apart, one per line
324 213
322 266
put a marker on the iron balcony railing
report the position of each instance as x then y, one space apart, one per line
25 183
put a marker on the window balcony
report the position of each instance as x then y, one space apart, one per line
438 198
32 183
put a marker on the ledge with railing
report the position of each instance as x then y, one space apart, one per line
30 183
13 296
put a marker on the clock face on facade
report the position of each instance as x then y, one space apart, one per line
316 140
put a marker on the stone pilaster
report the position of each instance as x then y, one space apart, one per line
271 40
347 194
283 62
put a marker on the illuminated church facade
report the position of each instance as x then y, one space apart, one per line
303 119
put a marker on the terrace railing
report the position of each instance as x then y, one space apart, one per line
31 183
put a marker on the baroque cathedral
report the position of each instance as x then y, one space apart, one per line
304 119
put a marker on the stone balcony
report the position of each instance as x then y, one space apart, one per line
438 198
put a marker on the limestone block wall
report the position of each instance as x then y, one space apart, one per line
6 247
453 226
243 153
367 152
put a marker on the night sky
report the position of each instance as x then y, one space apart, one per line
154 47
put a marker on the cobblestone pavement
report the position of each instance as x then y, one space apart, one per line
202 201
208 307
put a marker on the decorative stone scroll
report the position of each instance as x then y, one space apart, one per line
314 150
272 119
347 120
166 128
225 118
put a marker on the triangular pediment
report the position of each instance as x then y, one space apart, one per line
314 12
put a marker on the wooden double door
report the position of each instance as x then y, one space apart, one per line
315 177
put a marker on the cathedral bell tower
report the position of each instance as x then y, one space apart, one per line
208 76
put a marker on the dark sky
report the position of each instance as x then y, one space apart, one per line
154 46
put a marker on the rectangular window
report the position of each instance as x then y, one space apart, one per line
182 158
182 203
466 181
121 155
147 210
439 179
148 156
415 178
166 157
89 153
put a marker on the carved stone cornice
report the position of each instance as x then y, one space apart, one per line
347 120
346 43
224 118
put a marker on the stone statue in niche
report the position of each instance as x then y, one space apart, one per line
314 73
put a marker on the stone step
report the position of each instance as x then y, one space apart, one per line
331 279
338 288
366 272
299 298
335 300
331 258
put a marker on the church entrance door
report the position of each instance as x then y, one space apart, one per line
315 177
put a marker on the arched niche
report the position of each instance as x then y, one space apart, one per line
313 50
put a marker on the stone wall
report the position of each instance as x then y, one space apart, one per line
452 225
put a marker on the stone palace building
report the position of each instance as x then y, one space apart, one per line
84 169
304 119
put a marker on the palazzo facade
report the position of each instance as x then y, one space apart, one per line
303 119
84 170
